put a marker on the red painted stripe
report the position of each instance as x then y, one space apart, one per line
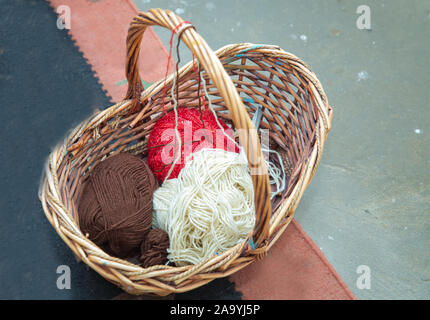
295 268
99 29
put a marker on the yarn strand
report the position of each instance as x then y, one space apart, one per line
177 151
277 176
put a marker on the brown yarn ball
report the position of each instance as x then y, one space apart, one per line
154 248
115 207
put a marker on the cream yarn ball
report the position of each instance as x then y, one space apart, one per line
208 209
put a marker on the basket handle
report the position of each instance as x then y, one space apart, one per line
241 120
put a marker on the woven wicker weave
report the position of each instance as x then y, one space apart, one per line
238 77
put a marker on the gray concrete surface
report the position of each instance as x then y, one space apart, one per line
369 203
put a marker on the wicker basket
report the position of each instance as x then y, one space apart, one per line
239 77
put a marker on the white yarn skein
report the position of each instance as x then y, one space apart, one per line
164 196
209 208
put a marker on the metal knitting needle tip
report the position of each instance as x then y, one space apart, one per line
258 114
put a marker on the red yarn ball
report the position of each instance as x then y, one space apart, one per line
194 135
